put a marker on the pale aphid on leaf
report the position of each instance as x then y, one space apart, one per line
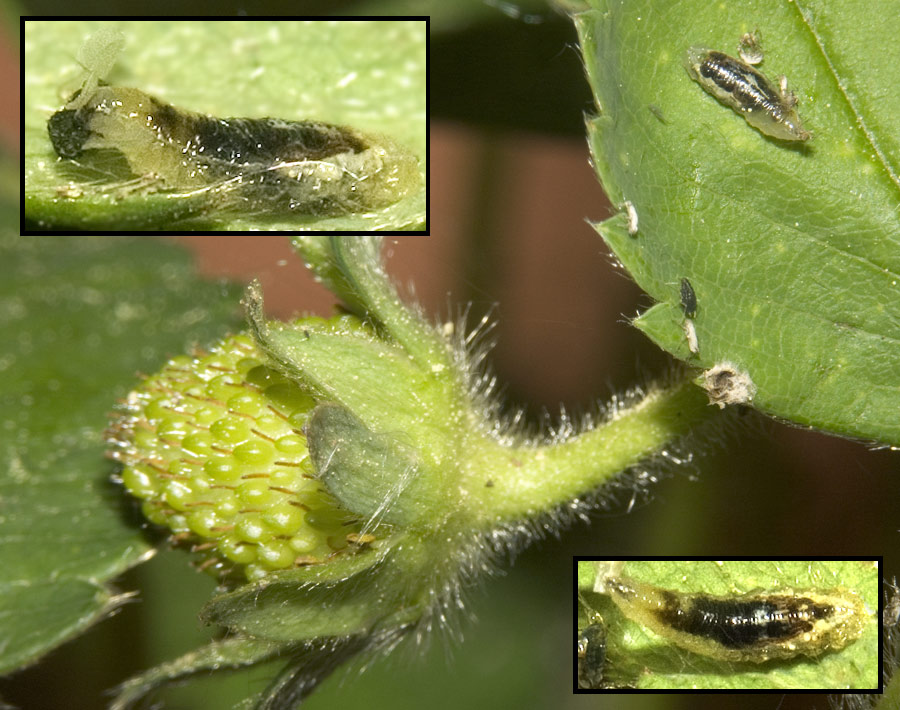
750 48
769 108
253 164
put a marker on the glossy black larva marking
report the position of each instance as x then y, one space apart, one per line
688 299
751 628
269 164
255 164
742 624
769 108
68 133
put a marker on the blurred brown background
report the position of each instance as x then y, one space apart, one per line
509 236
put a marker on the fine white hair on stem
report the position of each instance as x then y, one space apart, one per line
627 490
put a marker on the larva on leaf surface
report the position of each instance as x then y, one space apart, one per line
768 107
200 164
306 167
795 614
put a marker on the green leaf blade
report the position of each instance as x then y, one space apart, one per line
47 613
65 529
793 250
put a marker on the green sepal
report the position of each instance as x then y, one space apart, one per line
374 475
384 392
362 593
230 653
370 376
313 663
352 268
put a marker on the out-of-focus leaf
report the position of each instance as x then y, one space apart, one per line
78 320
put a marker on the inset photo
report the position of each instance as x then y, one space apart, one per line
728 624
225 125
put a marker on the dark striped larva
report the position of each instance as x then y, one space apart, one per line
689 308
267 164
752 628
768 108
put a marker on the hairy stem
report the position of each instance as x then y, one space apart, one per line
509 483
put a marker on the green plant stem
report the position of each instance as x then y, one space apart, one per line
510 483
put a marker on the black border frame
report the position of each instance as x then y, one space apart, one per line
27 228
781 691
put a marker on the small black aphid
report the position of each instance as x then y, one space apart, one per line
688 299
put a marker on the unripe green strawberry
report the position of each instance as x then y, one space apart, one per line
213 445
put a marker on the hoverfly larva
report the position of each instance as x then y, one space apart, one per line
768 108
259 164
752 628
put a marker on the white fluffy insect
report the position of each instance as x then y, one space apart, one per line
256 164
750 48
632 214
726 383
690 334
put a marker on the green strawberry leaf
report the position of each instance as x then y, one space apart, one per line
370 76
637 656
792 249
78 320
